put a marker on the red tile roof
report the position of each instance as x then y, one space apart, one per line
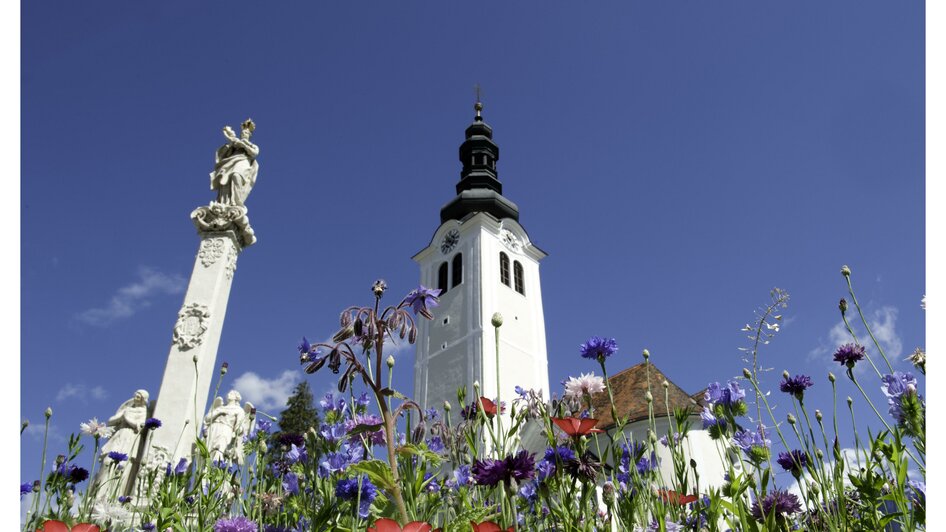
629 387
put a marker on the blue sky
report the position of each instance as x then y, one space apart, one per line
675 161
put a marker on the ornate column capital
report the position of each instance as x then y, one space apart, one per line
218 218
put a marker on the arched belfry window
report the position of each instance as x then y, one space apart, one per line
504 268
520 282
457 269
442 278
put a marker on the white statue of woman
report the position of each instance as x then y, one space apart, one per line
235 170
126 425
226 424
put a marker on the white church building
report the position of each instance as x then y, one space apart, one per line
484 262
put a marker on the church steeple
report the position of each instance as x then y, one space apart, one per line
479 189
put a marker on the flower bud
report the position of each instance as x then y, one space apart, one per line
819 453
263 448
187 422
746 373
48 412
651 436
224 367
818 415
446 406
60 459
791 419
842 305
692 463
194 358
649 397
389 361
665 384
845 271
25 423
786 374
813 486
497 320
476 387
831 377
646 354
850 401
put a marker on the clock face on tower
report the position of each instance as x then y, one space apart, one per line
450 241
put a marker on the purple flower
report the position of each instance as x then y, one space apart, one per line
25 488
334 462
545 469
148 527
917 492
849 354
780 503
263 425
435 444
432 485
124 499
116 456
152 423
645 465
598 348
900 388
375 437
490 472
559 454
796 385
422 300
363 401
462 476
754 444
235 524
709 420
296 454
290 438
794 461
347 490
728 396
290 483
523 394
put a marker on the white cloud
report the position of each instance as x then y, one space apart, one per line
268 395
81 392
883 323
36 432
131 298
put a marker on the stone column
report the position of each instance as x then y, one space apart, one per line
191 368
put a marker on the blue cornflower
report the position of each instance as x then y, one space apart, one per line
849 354
152 423
778 502
116 456
347 490
560 453
645 465
124 499
598 348
433 486
431 414
793 461
796 385
149 527
728 396
544 470
754 444
25 488
530 492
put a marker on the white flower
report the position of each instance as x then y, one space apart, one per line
95 428
113 514
586 384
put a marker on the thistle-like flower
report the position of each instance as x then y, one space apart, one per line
586 384
95 428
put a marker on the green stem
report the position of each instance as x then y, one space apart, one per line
850 289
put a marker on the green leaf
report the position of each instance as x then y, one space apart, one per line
359 429
462 522
377 471
421 452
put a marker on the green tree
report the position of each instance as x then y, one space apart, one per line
300 413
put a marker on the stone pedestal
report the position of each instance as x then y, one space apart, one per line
191 368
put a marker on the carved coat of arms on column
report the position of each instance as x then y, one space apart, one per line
191 325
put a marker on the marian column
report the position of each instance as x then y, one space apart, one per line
224 231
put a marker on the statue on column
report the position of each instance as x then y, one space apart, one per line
235 170
226 424
122 445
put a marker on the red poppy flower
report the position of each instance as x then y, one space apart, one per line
574 426
675 498
489 526
390 525
489 407
59 526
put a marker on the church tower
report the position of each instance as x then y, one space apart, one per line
484 262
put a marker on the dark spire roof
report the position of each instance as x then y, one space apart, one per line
479 189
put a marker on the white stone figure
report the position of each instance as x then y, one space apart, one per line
226 425
126 424
235 170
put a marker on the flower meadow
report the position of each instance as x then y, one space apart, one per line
377 461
